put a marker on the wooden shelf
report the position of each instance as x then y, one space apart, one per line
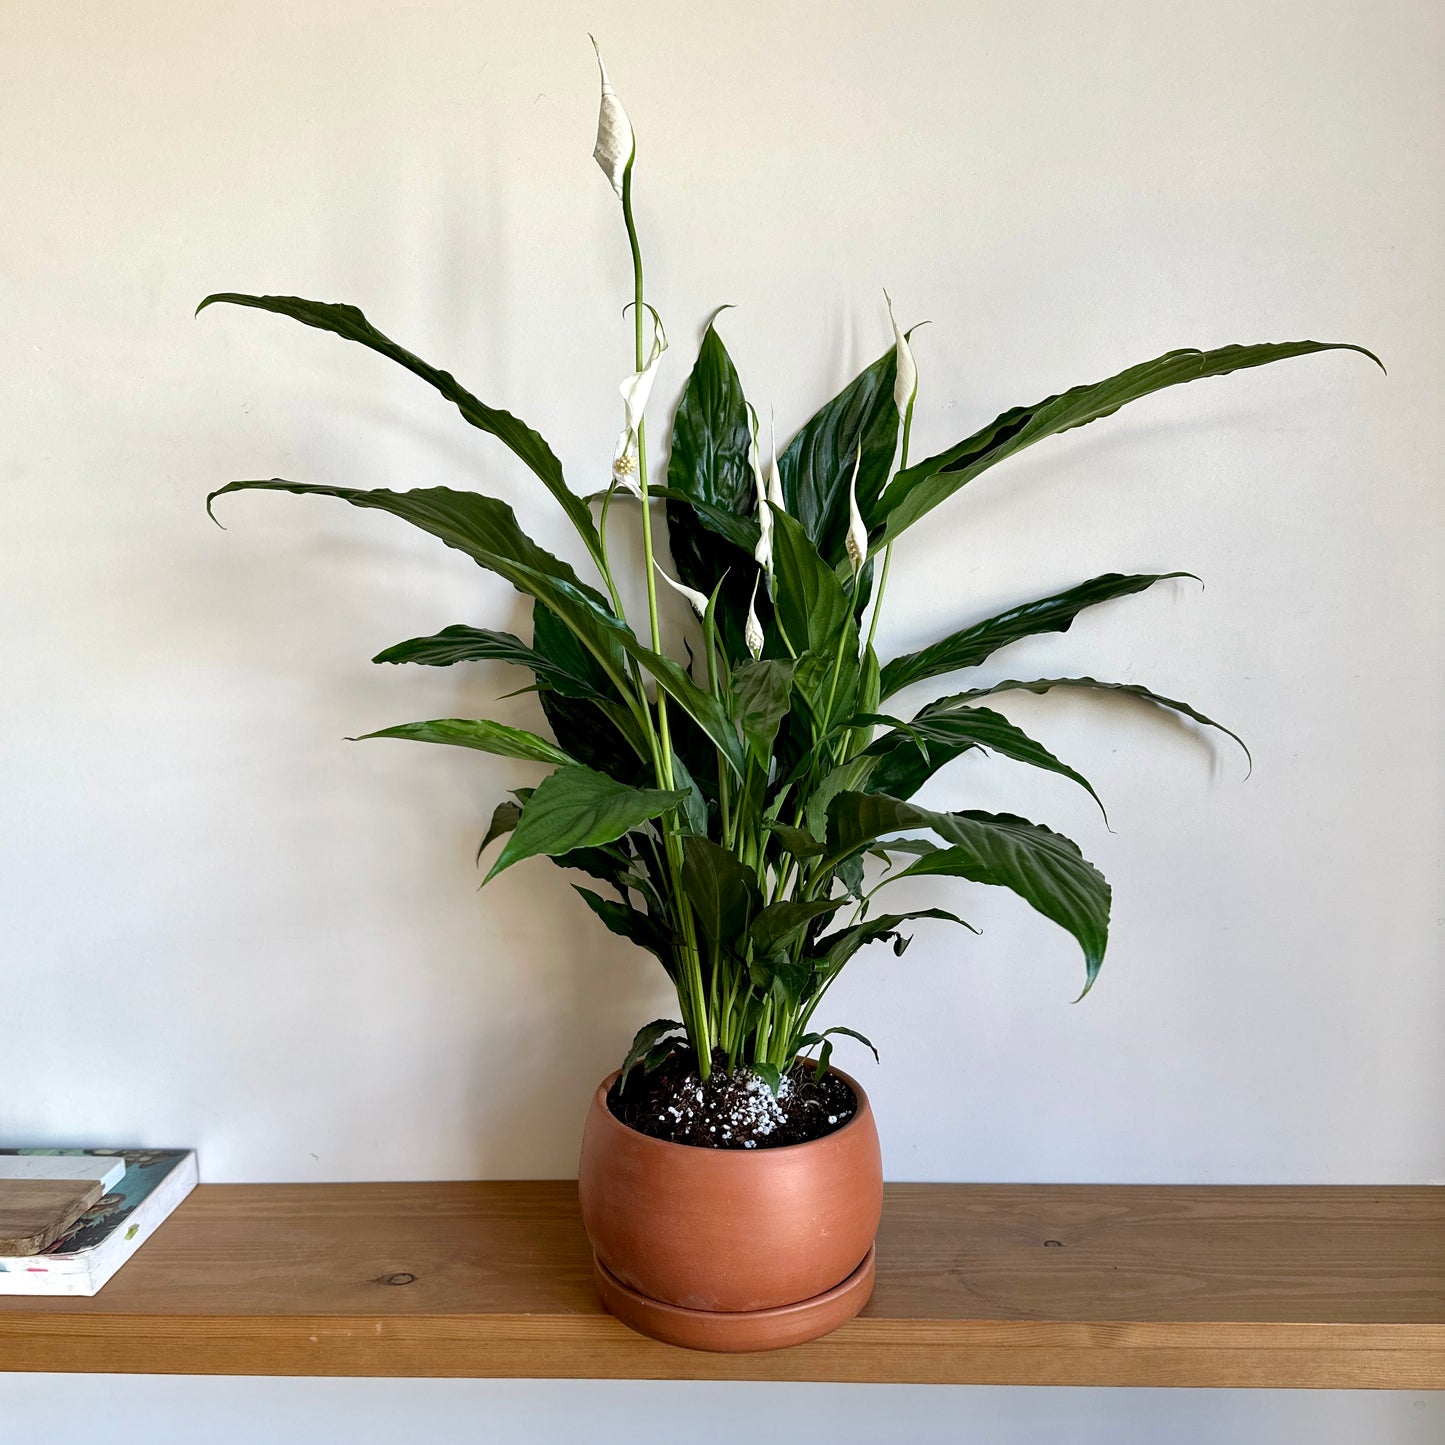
977 1284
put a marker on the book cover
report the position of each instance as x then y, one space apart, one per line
106 1235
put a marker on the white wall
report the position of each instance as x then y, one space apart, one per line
224 926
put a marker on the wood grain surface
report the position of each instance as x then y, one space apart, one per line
984 1284
34 1213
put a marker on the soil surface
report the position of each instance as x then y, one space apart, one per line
731 1111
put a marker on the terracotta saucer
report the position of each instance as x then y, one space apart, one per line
733 1331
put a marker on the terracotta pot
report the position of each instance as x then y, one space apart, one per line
731 1248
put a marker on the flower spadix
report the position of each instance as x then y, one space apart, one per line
763 552
616 143
753 629
905 381
635 390
856 542
695 599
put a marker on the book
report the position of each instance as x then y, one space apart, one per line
111 1230
52 1164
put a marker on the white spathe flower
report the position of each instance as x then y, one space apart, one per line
763 552
753 629
635 390
775 485
695 599
615 140
905 382
856 541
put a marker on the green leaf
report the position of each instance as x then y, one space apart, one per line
956 729
811 604
1042 867
915 492
694 805
971 645
1088 684
645 1039
810 1039
348 323
759 702
771 1075
479 733
630 923
702 707
578 808
817 465
723 892
487 531
779 924
837 948
710 482
504 819
795 840
478 644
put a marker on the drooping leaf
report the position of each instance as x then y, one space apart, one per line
1088 684
821 1038
487 531
479 644
479 733
632 924
817 465
917 490
955 729
349 323
576 807
644 1041
971 645
504 819
835 949
1044 868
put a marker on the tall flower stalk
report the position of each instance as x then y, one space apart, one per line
745 808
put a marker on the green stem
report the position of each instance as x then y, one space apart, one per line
691 970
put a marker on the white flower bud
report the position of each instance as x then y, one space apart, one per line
775 485
753 629
763 552
856 541
905 384
695 599
615 141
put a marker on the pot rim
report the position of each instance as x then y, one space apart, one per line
861 1116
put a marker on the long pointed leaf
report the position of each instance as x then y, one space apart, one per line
578 808
1044 868
817 465
915 492
971 645
709 481
1089 684
479 733
479 644
349 323
959 728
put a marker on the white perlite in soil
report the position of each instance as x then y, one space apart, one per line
743 1114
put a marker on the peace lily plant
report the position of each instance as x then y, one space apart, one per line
743 810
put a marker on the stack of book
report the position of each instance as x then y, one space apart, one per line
69 1218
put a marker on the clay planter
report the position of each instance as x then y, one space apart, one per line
731 1249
